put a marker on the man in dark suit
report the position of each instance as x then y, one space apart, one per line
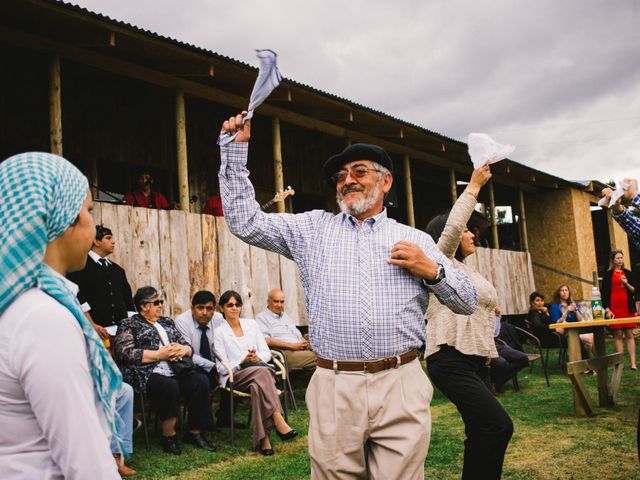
104 291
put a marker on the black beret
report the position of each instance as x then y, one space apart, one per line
357 151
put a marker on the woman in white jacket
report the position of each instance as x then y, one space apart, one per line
239 341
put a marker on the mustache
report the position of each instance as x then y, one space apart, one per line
351 188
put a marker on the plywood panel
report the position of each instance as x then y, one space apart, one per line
194 252
290 278
96 213
144 262
164 242
273 270
510 273
210 255
179 262
234 266
259 278
124 235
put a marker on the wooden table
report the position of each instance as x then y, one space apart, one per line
600 363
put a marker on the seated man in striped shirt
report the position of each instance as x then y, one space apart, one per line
367 281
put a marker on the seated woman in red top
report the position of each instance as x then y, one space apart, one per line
618 298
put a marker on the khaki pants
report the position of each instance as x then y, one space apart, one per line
369 425
300 359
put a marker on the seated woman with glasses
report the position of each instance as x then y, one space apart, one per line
239 342
148 347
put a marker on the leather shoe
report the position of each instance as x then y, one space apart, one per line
199 441
287 436
267 452
170 444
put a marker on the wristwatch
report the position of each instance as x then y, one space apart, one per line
439 276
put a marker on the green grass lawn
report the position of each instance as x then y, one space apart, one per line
549 440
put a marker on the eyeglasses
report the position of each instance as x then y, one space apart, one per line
157 302
232 305
357 172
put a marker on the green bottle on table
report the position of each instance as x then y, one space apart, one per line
597 312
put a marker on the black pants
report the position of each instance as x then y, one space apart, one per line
509 362
223 414
165 393
487 425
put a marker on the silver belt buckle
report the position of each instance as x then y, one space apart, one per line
398 361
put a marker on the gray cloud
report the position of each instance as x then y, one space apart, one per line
560 80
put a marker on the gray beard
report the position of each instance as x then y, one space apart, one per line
361 206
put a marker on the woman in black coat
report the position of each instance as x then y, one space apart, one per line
147 347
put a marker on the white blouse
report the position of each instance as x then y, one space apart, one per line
51 425
162 367
469 334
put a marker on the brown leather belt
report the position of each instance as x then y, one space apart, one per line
371 366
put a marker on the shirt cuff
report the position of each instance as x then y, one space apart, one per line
622 215
635 201
85 307
235 153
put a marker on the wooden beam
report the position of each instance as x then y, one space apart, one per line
492 213
55 105
277 162
181 144
154 77
411 219
453 185
524 241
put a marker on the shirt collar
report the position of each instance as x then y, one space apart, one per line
275 316
95 257
197 325
371 223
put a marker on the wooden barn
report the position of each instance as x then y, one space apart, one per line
117 100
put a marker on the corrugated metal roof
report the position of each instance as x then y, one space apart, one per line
225 58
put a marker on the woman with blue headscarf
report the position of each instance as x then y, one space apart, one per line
58 384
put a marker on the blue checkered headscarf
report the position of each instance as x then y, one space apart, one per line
41 197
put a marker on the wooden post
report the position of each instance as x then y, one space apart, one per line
277 162
453 185
181 144
581 401
524 241
492 212
409 191
55 105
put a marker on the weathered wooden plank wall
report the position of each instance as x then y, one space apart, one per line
510 272
181 253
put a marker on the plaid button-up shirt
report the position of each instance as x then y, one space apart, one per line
359 306
630 223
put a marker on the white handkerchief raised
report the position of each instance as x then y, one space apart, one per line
617 193
483 149
269 78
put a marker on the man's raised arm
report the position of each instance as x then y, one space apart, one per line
281 233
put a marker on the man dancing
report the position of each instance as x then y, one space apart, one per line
367 280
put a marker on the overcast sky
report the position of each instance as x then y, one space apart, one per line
558 79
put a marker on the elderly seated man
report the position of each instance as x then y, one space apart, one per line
280 332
